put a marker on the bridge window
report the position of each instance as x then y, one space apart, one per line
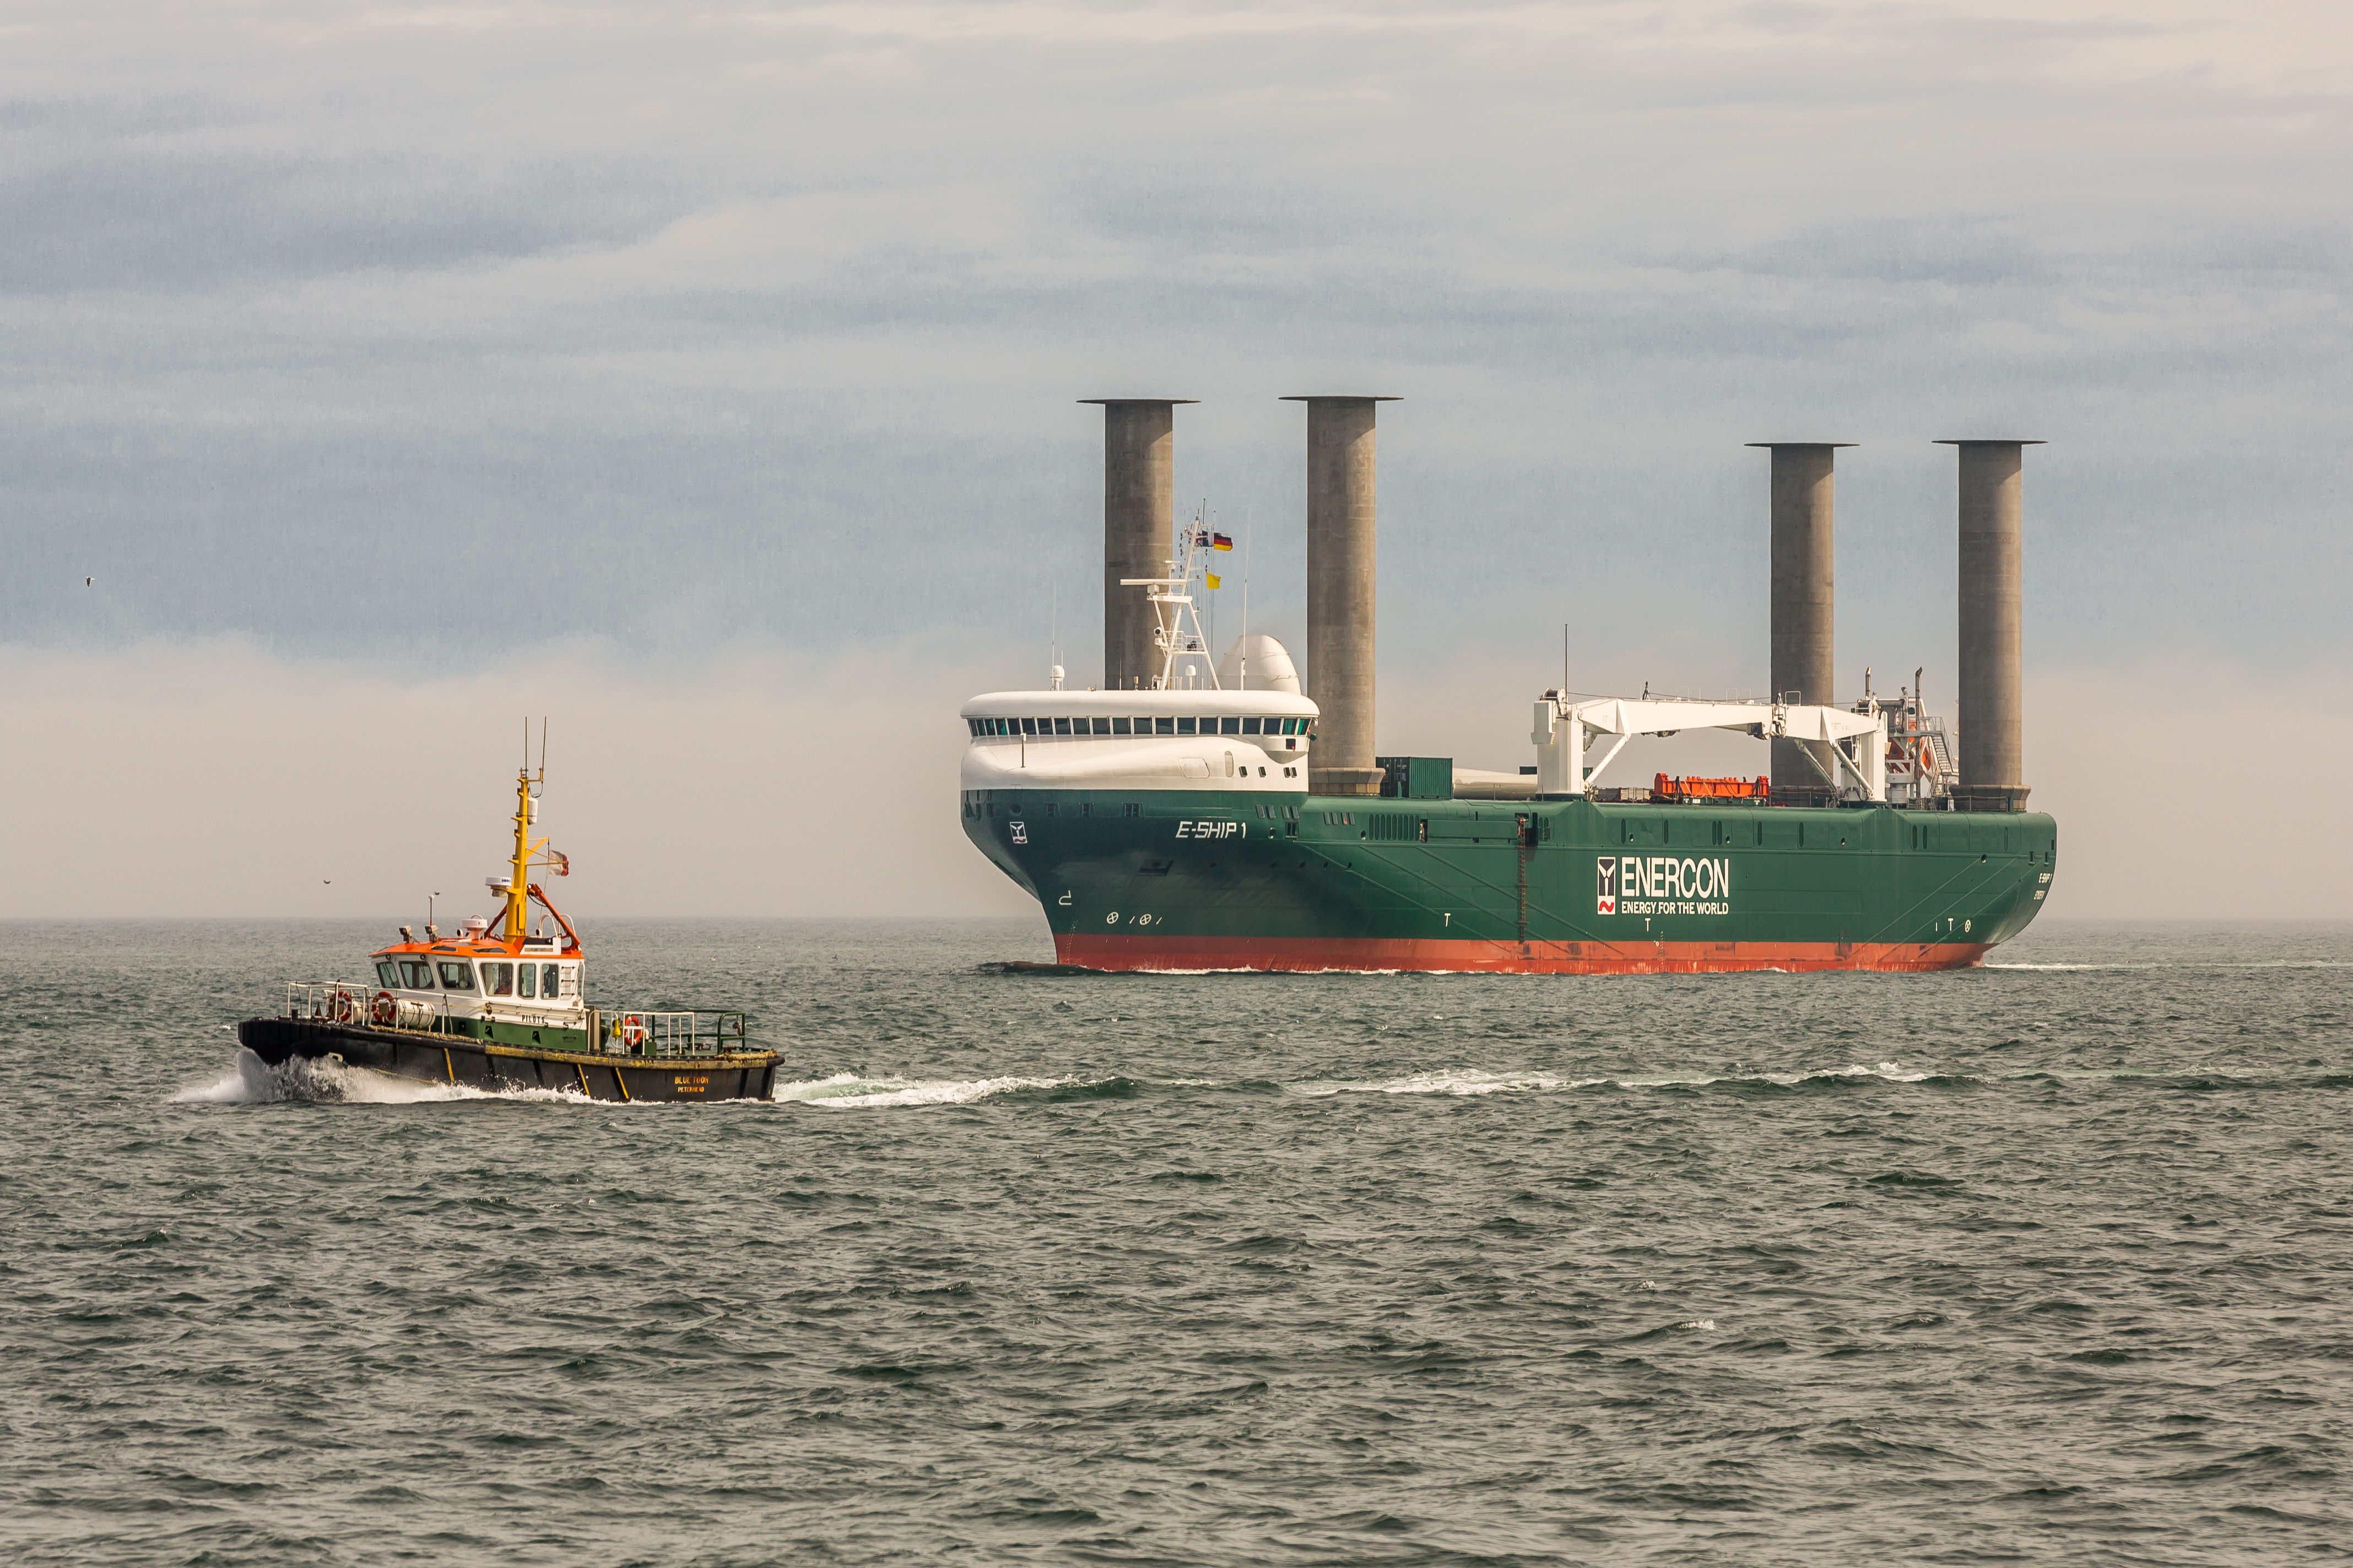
1229 726
1103 726
1121 726
1029 726
1162 726
1061 726
1187 726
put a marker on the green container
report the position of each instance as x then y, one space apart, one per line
1416 778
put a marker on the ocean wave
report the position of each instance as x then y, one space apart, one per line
1459 1081
249 1080
848 1091
1467 1081
2198 966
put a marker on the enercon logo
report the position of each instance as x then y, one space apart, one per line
1661 885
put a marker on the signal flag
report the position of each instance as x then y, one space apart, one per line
1213 579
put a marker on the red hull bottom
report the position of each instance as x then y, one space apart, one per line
1307 954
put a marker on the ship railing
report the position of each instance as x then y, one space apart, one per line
641 1032
329 1001
358 1002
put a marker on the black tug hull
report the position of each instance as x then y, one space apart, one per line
495 1068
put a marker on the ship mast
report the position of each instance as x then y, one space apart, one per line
1178 634
519 882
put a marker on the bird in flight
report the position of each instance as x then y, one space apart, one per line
87 581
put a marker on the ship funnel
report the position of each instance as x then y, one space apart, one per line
1139 454
1992 710
1803 608
1340 592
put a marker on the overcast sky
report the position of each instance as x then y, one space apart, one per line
363 353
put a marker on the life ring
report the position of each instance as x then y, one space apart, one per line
384 1010
345 1009
633 1029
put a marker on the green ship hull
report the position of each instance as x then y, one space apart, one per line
1195 880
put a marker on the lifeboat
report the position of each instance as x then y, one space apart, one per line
505 1005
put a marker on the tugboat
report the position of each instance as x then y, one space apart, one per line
511 1011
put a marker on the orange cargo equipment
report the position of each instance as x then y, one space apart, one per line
1665 788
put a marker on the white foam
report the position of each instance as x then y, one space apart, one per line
1700 1323
1459 1081
2264 964
847 1091
252 1081
1471 1081
1891 1071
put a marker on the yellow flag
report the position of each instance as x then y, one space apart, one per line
1213 579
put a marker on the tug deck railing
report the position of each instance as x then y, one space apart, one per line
638 1032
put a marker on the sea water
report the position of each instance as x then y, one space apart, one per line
2048 1261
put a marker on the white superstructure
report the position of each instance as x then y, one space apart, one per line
1138 740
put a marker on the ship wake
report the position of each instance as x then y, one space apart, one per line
249 1080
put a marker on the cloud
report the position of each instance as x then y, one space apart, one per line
132 216
389 336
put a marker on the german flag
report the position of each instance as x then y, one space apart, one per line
1220 542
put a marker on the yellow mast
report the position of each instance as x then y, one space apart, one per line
519 883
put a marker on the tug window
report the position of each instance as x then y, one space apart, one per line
1119 727
416 974
387 976
527 983
456 977
498 979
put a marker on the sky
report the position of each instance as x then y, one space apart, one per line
707 380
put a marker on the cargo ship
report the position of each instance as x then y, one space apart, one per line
1199 816
505 1009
